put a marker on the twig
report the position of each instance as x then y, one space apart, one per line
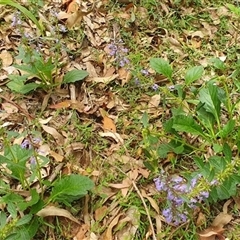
144 204
17 106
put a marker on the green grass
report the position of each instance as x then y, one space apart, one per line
143 43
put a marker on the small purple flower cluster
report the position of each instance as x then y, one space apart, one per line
16 20
119 52
27 144
176 189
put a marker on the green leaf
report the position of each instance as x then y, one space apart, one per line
19 86
74 76
145 120
227 129
193 74
71 187
218 163
187 124
227 152
24 220
209 96
27 13
161 66
217 63
163 150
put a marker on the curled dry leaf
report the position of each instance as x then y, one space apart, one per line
113 135
55 211
52 131
222 219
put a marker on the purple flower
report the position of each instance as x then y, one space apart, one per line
26 144
203 195
171 88
214 182
16 20
178 201
124 50
62 28
155 87
33 161
145 72
167 213
136 81
177 179
160 185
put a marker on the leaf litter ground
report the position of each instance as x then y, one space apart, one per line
93 127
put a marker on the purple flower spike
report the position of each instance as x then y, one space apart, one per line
167 213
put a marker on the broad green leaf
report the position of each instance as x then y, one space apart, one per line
163 150
209 96
193 74
187 124
227 129
19 86
161 66
74 76
27 13
218 163
70 188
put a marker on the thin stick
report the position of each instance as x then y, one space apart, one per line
142 199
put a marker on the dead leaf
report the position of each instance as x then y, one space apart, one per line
154 101
151 200
113 135
81 232
56 156
100 213
52 131
108 233
6 58
76 18
9 108
211 233
105 80
201 219
55 211
222 219
61 105
108 124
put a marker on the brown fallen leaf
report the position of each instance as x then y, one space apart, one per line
76 18
211 233
52 131
55 211
6 58
113 135
61 105
108 233
105 80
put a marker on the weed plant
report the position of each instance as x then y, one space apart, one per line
202 129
